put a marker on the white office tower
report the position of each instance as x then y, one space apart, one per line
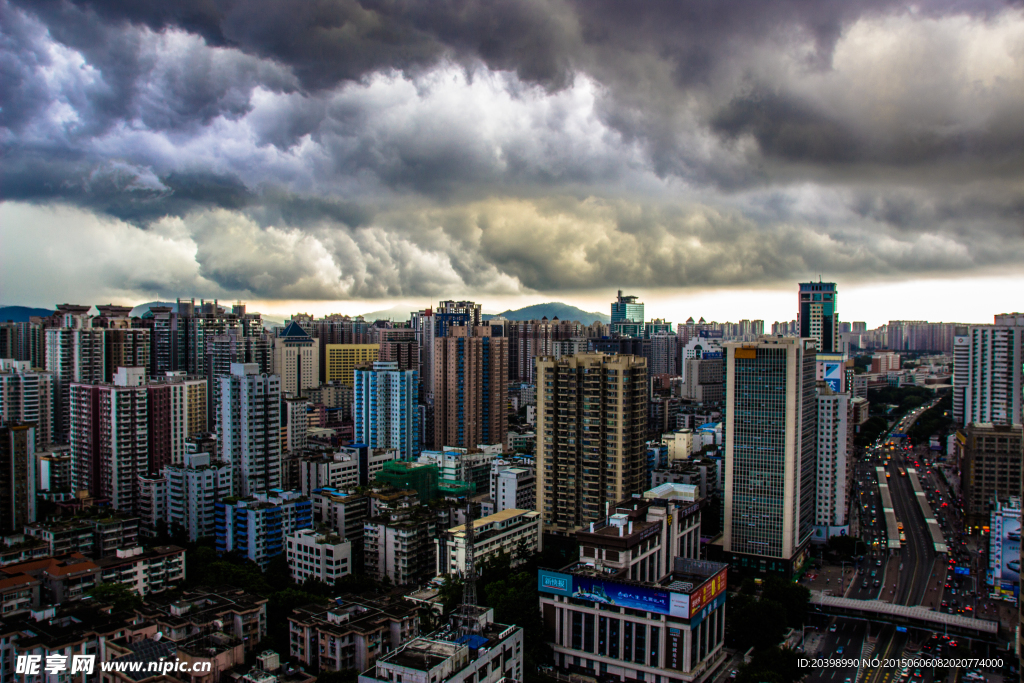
993 390
770 453
193 490
249 427
27 396
296 360
833 486
384 401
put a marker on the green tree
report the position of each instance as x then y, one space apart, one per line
451 593
793 597
119 596
772 665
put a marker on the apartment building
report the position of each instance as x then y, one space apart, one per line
517 533
322 556
399 545
144 571
193 490
26 396
256 526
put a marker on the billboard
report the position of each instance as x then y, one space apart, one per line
710 334
832 373
649 599
1004 547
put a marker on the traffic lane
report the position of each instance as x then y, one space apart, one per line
848 634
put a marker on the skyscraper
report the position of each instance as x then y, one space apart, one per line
627 309
73 354
992 393
177 410
385 408
17 477
249 427
27 396
110 437
817 315
834 448
470 388
591 428
770 453
342 360
296 360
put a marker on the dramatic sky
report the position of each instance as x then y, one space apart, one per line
337 155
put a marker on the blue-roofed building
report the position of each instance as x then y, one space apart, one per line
257 526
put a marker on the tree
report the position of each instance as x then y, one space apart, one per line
793 597
451 593
754 623
119 596
774 665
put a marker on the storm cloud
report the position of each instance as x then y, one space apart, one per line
340 149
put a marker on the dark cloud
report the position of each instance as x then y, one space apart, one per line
389 148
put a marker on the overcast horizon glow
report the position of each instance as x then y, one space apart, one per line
347 157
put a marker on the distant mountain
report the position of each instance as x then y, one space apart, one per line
552 310
394 313
21 314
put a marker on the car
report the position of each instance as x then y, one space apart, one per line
734 673
832 628
877 583
945 603
878 563
874 573
839 650
864 583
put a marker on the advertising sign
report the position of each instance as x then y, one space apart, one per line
708 592
710 334
596 589
966 571
699 615
834 376
674 656
1004 546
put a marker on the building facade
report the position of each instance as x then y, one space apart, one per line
296 360
385 408
516 533
18 483
342 360
834 443
470 388
249 428
26 395
818 316
316 555
770 453
257 526
990 469
993 379
193 490
591 430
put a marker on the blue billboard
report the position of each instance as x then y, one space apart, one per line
710 334
965 571
834 376
595 589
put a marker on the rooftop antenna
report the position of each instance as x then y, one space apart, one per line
469 587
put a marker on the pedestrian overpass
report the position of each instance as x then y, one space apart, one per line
902 615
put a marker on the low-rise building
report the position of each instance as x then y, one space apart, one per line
145 571
20 548
60 579
514 532
352 633
316 555
472 648
114 532
257 526
225 609
64 537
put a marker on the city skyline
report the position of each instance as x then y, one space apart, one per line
671 153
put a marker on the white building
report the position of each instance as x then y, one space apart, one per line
296 360
145 572
993 390
249 428
831 496
493 652
340 511
294 424
514 532
152 506
27 396
316 555
681 444
515 488
193 490
336 471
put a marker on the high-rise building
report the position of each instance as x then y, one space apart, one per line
398 345
832 502
223 350
194 487
591 429
18 483
73 354
990 465
294 424
26 395
531 338
664 354
422 325
342 360
177 410
249 428
993 379
961 370
296 360
333 329
125 348
770 453
818 314
627 309
385 408
470 388
23 341
450 314
110 437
